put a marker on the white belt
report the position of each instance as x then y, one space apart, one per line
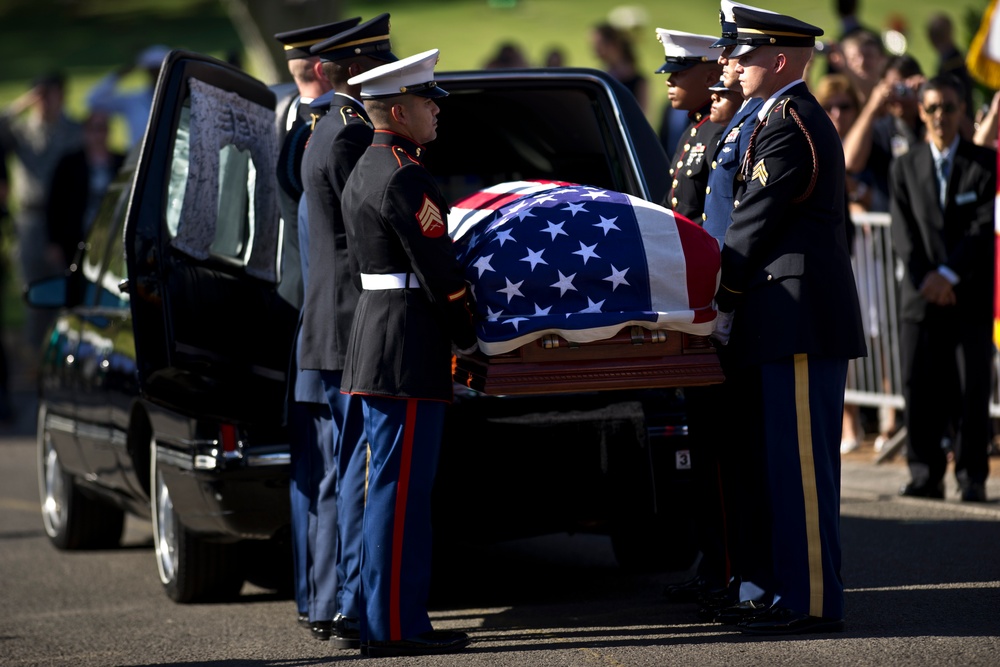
376 281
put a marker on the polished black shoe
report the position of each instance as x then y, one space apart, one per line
346 632
430 642
783 621
739 612
928 490
321 630
303 619
973 492
690 590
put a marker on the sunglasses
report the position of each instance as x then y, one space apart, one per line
947 107
842 106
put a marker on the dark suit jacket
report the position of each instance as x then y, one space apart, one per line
786 269
960 237
338 142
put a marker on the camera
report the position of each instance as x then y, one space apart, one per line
900 90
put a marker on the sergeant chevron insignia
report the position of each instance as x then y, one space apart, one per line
429 217
760 173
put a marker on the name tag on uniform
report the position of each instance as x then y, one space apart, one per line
965 198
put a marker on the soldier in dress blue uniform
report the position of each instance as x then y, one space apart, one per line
411 310
788 293
308 416
338 140
692 68
740 457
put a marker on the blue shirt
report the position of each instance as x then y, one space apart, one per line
725 164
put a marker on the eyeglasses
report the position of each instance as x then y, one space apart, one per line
947 107
841 106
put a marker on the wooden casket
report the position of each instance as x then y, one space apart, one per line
624 301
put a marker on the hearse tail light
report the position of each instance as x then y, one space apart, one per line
227 434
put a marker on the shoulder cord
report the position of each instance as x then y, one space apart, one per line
747 167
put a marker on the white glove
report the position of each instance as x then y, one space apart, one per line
723 326
468 351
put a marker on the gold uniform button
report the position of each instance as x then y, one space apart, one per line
689 172
736 203
770 277
704 217
740 177
708 190
671 172
680 164
694 132
687 147
715 164
675 183
673 201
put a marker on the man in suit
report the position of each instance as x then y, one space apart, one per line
339 139
788 291
944 236
411 309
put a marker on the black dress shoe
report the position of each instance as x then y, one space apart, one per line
739 612
346 632
303 619
321 630
927 490
783 621
430 642
691 590
974 492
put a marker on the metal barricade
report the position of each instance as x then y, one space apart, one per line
876 380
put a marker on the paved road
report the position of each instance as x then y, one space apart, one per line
923 577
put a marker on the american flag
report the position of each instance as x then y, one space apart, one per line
582 262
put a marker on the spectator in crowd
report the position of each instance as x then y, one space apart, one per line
861 57
554 57
37 141
78 185
943 194
614 49
888 126
951 61
134 105
508 56
986 124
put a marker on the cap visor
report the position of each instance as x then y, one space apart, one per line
723 42
742 50
436 91
670 68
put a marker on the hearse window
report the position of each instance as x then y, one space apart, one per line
104 245
237 178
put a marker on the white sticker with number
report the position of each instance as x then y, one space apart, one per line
683 459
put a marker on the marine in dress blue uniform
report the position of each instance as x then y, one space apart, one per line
308 419
691 68
338 140
788 289
411 310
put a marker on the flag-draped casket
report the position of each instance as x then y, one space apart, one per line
579 288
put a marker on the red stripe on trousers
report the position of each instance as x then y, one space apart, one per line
399 520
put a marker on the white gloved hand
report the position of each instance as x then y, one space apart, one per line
723 326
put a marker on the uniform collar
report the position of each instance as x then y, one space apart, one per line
697 115
391 139
770 102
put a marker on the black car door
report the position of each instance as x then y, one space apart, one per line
212 337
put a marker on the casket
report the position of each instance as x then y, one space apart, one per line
578 288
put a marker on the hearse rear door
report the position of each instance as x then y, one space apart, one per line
212 337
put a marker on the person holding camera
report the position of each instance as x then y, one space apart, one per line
888 126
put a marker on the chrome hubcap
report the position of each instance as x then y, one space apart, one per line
163 516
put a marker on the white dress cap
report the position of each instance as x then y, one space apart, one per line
409 76
684 49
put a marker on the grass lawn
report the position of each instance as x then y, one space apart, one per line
88 38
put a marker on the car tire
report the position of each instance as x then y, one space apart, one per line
191 569
72 519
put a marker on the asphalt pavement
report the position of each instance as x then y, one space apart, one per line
922 576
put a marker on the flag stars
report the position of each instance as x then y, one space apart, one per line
592 307
483 264
539 311
535 258
617 278
515 321
607 224
492 316
565 283
586 252
503 236
512 289
574 208
555 229
595 194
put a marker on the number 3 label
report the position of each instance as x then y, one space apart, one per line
683 461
